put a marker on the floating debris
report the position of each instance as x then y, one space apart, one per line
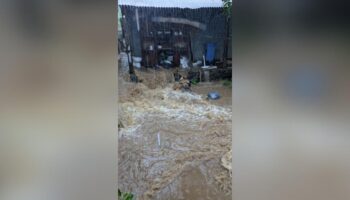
213 95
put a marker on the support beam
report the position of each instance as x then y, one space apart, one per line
180 21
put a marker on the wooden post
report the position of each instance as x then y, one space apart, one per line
127 34
227 34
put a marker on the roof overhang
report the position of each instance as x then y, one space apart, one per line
173 3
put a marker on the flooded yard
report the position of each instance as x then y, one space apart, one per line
174 145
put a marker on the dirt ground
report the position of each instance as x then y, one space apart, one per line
173 144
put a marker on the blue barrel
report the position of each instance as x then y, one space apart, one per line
210 55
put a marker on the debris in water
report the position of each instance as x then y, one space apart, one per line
226 161
183 84
177 76
133 78
158 136
214 95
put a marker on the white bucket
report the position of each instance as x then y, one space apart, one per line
137 62
184 62
124 64
137 65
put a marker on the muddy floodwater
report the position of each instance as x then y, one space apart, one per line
174 145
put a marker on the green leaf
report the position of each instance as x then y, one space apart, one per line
125 195
194 82
227 5
129 197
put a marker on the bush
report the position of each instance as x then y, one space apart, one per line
125 195
194 82
227 83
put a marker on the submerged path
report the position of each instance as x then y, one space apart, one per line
174 145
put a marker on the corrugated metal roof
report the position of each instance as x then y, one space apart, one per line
173 3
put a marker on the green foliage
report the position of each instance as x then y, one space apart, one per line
227 83
125 195
227 7
194 82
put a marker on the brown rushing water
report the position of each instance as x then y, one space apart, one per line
172 144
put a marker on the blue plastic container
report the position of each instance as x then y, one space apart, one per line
214 95
210 54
